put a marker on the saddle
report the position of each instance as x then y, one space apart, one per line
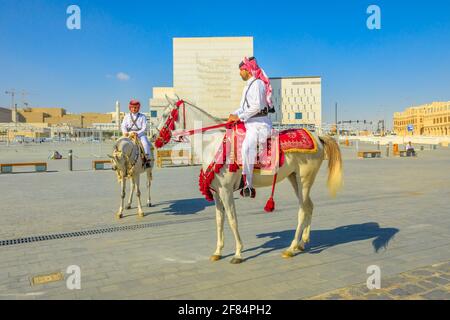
269 158
137 141
270 155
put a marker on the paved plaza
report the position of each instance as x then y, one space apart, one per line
393 213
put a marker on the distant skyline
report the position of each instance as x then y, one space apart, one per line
124 49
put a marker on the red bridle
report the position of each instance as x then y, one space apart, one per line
165 134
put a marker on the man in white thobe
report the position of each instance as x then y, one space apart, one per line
137 122
253 111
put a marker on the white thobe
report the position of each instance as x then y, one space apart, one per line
258 129
137 123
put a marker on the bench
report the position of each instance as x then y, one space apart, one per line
173 157
100 164
403 153
369 154
8 167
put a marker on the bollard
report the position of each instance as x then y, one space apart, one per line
387 150
70 161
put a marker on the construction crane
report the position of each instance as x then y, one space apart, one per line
13 92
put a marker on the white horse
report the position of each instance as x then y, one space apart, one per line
299 168
127 163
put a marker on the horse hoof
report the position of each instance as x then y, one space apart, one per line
287 254
149 204
141 215
215 258
236 261
301 247
128 207
119 216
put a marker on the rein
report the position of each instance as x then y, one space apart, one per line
165 134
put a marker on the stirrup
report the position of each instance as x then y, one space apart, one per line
148 163
248 192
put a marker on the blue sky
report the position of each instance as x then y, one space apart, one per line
369 73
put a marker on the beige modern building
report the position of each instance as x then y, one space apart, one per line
59 116
297 101
5 115
428 119
205 71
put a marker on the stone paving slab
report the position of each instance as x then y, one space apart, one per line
425 283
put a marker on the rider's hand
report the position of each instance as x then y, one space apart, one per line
233 118
126 134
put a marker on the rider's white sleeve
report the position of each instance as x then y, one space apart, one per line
255 99
142 124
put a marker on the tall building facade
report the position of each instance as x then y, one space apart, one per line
297 101
429 119
206 73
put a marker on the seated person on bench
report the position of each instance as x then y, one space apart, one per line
410 150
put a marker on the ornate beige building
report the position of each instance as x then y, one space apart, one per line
429 120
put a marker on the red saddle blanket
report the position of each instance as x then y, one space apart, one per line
229 153
287 141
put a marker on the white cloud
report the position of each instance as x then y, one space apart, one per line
122 76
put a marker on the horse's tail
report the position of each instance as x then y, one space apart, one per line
333 153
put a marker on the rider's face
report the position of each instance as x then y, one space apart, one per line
134 109
245 75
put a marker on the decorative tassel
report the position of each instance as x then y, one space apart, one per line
270 205
217 168
233 167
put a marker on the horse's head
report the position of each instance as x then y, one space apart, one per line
169 121
119 161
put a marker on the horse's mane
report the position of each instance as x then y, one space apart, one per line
203 111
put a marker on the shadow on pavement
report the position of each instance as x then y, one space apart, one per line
184 206
324 239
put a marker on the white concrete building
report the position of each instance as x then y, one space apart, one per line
297 101
206 71
158 103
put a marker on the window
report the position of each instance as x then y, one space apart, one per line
298 116
153 114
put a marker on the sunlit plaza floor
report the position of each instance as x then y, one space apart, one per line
392 213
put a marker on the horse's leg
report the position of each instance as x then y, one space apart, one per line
308 217
130 199
119 215
307 208
149 185
136 182
220 213
226 196
296 182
